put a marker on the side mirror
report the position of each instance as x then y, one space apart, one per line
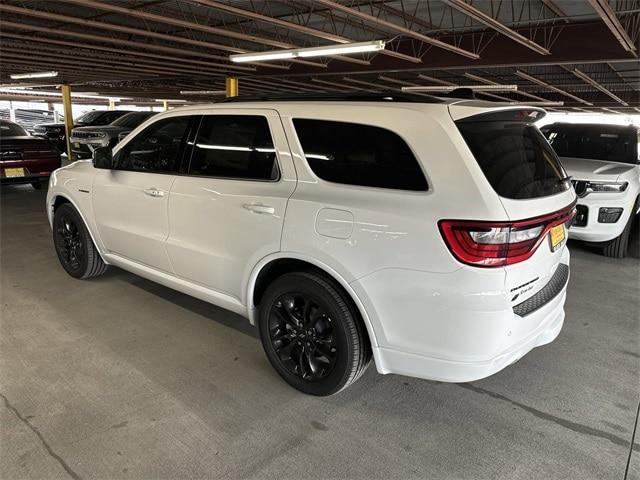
122 135
103 158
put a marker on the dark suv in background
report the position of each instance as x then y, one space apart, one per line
84 140
23 158
55 133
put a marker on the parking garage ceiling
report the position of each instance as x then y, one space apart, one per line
580 52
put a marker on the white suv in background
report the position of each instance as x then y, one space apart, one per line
427 233
604 164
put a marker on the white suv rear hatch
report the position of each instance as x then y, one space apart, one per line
535 192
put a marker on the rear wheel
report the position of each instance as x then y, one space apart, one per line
76 251
618 247
310 334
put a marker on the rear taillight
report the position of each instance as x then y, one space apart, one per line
496 244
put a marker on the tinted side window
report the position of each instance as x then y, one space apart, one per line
234 146
156 149
357 154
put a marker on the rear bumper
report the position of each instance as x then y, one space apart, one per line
454 327
23 180
452 370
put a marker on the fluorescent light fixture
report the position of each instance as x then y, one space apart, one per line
18 76
540 104
335 49
202 92
342 49
450 88
259 57
170 100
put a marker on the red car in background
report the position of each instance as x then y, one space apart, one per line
25 159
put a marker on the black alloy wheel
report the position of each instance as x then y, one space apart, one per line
69 243
312 334
74 246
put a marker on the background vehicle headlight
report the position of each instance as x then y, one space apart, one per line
584 187
607 186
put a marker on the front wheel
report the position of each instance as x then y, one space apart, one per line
74 246
311 335
618 247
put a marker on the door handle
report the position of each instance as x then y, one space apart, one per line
259 208
154 192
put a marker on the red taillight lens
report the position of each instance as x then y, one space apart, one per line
495 244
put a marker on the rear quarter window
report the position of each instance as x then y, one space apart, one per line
514 156
356 154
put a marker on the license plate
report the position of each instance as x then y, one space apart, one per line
14 172
77 145
556 236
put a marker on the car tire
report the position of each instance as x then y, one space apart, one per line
76 251
36 185
312 335
618 247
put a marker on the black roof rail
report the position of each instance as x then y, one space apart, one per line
346 97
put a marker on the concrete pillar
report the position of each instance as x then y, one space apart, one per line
12 112
68 118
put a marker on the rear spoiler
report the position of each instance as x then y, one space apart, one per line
467 111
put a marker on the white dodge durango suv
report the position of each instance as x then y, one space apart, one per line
604 164
426 233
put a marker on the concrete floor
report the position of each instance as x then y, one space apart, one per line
122 378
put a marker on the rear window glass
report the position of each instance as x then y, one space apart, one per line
515 157
600 142
8 129
356 154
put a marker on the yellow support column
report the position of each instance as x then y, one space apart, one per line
166 105
112 104
231 86
68 118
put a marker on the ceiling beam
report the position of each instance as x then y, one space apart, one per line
116 63
480 79
583 76
153 17
376 86
129 53
134 31
610 19
180 52
499 27
60 61
435 80
395 28
340 86
553 6
296 27
542 83
29 12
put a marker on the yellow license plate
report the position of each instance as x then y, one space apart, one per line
77 145
556 236
14 172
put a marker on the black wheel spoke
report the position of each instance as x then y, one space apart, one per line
302 336
69 242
